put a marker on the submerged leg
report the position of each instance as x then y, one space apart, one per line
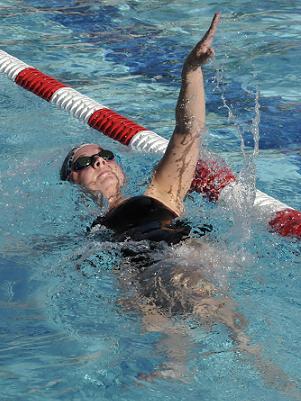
175 345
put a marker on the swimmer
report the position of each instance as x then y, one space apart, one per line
96 170
162 291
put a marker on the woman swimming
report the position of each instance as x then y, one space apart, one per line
96 170
163 290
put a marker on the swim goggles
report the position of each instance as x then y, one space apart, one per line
86 161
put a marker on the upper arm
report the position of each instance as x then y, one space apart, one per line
173 176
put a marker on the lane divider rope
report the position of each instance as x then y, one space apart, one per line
213 180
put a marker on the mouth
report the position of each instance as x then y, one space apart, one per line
103 174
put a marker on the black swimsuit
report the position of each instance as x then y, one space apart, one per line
150 278
142 217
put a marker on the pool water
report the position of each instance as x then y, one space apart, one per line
64 334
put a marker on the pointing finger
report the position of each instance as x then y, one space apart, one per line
209 35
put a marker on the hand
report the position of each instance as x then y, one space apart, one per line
202 51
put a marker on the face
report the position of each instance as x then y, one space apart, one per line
104 176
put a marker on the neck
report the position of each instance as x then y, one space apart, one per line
115 200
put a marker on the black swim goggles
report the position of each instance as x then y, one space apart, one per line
86 161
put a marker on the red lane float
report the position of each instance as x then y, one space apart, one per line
114 125
287 222
38 83
213 180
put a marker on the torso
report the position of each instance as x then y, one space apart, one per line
143 217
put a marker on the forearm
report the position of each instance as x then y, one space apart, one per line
190 109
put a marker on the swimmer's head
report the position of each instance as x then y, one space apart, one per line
94 169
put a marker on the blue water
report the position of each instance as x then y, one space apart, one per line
63 332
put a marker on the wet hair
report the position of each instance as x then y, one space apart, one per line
66 168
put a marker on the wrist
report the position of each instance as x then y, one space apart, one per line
191 70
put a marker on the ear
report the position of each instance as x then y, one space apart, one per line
74 177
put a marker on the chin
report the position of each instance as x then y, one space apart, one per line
110 186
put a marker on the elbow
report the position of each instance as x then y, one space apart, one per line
192 126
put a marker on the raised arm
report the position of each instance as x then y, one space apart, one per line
172 177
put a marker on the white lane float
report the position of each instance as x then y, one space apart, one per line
212 179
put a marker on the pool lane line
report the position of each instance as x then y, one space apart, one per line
213 180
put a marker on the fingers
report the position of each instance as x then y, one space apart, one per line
210 53
209 35
203 51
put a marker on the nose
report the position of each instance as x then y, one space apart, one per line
98 162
